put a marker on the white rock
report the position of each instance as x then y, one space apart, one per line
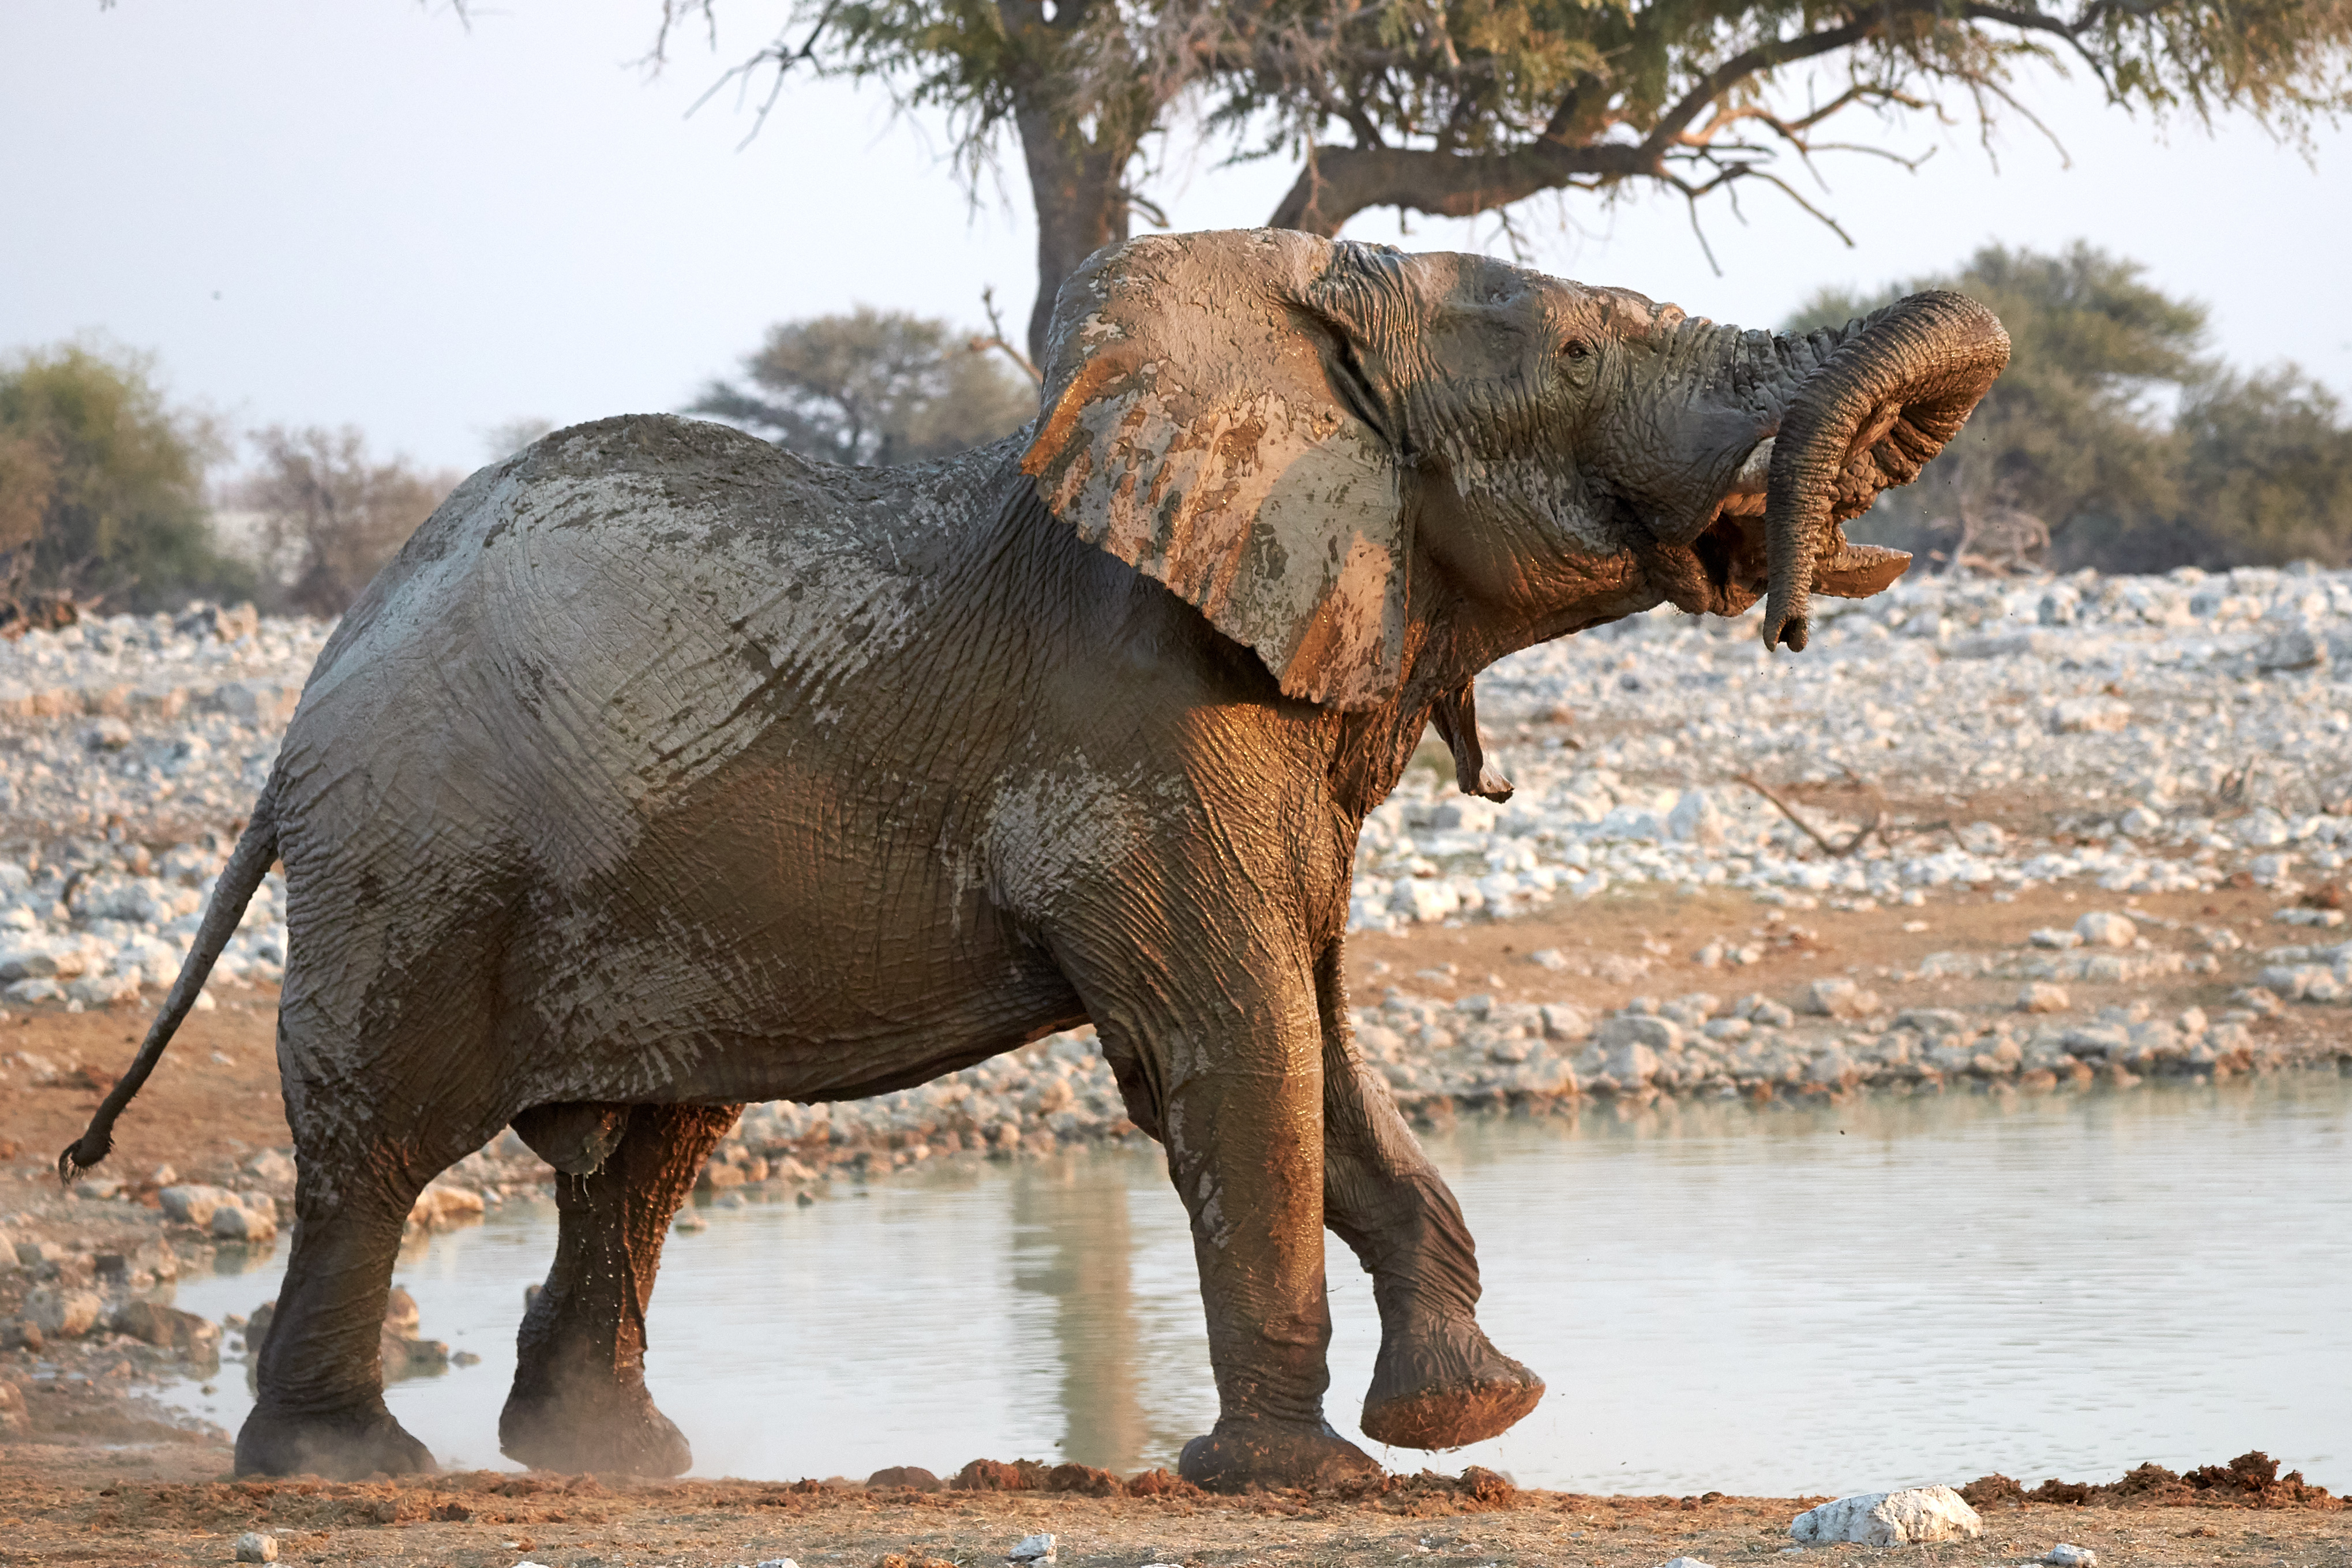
1037 1548
241 1222
1695 820
438 1205
776 1563
2041 996
1638 1029
1566 1021
271 1166
1905 1518
63 1314
2065 1556
2089 716
2103 928
255 1547
1839 998
1684 1562
2052 937
194 1204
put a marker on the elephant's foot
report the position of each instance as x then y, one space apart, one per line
614 1430
1442 1384
1253 1451
345 1445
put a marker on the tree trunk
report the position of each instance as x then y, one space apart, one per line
1076 187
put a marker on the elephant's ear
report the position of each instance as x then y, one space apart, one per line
1202 423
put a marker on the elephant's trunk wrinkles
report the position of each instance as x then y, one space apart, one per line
1878 408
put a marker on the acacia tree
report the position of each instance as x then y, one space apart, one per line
872 386
1456 108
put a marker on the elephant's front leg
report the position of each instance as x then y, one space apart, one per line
579 1401
1439 1382
1235 1062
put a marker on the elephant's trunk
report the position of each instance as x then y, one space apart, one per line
1877 409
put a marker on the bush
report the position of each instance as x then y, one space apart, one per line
329 516
101 486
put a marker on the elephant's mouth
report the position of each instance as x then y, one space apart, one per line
1725 567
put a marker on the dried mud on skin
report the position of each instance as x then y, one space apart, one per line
56 1507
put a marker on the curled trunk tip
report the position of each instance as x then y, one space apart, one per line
1880 406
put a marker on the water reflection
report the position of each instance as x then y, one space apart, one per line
1817 1298
1074 1247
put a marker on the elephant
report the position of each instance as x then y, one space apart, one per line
663 771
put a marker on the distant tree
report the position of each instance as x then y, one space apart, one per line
2072 429
2265 471
329 515
101 485
508 436
1470 107
872 387
2110 440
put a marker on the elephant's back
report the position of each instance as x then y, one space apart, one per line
589 627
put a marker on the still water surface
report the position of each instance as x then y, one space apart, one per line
1792 1299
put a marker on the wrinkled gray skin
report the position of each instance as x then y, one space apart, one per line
665 771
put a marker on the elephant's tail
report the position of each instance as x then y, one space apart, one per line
231 892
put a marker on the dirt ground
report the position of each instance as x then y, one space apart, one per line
162 1505
91 1473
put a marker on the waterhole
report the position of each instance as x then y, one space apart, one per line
1776 1300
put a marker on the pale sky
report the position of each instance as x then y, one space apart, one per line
368 212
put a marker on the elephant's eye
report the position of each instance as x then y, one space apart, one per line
1576 348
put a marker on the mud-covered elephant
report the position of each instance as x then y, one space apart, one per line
664 771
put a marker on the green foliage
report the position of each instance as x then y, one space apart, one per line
1456 107
872 387
2249 470
101 485
2265 469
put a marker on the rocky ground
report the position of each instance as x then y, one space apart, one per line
2004 836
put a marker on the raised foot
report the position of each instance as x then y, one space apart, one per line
618 1431
1445 1385
1248 1452
343 1446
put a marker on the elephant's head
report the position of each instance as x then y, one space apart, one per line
1280 427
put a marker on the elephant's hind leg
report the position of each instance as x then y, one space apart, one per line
579 1401
320 1408
1439 1382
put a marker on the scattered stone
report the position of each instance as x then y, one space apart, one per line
255 1547
62 1313
249 1223
2065 1556
2041 997
1037 1548
440 1206
166 1327
195 1205
1839 998
2101 928
1910 1517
